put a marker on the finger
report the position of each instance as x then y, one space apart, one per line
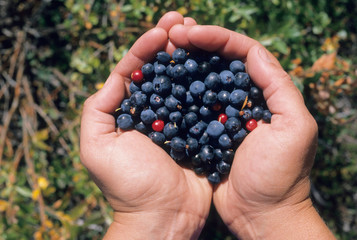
188 21
226 43
180 37
279 91
97 116
170 19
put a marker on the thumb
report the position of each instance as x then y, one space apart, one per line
282 96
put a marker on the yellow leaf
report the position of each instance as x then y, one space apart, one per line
99 85
36 193
42 183
182 10
3 205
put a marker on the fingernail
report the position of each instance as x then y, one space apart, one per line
263 54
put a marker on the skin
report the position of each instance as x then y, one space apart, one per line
266 195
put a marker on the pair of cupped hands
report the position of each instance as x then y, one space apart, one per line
267 190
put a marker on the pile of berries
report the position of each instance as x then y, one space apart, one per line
198 107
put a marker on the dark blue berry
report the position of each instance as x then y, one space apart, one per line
231 111
191 119
176 117
223 167
125 121
197 130
147 69
247 114
141 127
257 113
179 55
178 144
192 145
207 153
133 87
236 66
209 98
225 141
157 137
170 130
172 103
177 155
266 116
213 81
159 69
228 156
242 80
147 88
179 72
240 135
138 99
237 97
214 178
148 116
163 57
232 125
227 79
162 85
179 92
191 66
197 88
162 113
125 106
215 129
223 97
156 101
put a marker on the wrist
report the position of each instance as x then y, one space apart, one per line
155 225
298 221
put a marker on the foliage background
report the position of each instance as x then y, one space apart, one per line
55 53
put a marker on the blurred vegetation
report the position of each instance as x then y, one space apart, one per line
55 53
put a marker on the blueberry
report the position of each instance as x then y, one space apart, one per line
257 113
232 125
191 119
242 80
125 106
156 101
236 66
133 87
256 93
225 141
206 153
162 113
240 135
227 79
212 81
197 88
157 137
215 129
218 154
163 57
179 55
214 178
227 156
159 69
204 139
147 88
179 92
191 66
238 97
266 116
206 112
209 98
169 70
177 155
197 130
204 68
172 103
194 109
223 97
176 117
138 99
192 145
214 60
147 69
178 144
148 116
170 130
199 170
141 127
189 99
162 85
247 114
231 111
179 72
223 167
196 160
125 121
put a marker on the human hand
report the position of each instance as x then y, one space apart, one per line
266 195
152 197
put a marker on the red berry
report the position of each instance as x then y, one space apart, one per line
251 125
222 118
137 76
216 107
158 125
